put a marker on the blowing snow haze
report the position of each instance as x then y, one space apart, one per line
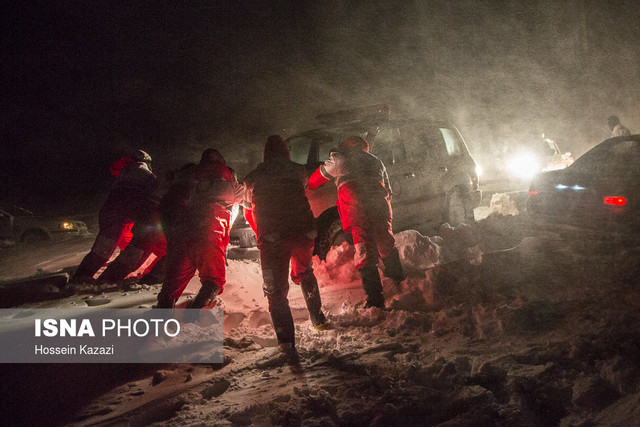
85 83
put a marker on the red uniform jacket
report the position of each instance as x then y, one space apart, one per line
364 191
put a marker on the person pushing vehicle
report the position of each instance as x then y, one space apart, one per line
364 206
277 208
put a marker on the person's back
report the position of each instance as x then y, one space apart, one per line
280 214
365 173
135 187
279 204
176 200
214 196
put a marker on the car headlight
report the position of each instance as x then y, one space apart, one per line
523 166
67 226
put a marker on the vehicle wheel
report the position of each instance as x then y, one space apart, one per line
458 207
333 236
33 236
340 236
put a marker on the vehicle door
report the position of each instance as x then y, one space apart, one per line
421 174
388 146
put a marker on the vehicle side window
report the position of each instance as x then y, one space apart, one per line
331 141
388 146
299 149
452 141
425 144
325 147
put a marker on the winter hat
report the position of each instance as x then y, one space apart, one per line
275 147
212 155
209 171
141 156
355 142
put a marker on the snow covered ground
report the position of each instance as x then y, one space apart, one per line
480 334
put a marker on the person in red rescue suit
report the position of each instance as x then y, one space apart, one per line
277 208
364 206
199 234
147 246
127 203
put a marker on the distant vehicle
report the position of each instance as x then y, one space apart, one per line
513 169
241 233
21 225
433 176
546 156
597 197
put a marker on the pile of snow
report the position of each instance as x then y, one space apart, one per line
417 252
339 265
511 203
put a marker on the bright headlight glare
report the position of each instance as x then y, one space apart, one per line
67 226
524 166
478 171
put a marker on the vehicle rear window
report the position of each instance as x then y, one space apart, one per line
299 148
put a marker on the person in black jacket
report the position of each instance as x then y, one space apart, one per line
277 208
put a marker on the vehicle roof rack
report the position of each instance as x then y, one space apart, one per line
379 112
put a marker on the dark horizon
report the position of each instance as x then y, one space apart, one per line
85 83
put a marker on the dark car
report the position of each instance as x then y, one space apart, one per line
21 225
597 198
432 174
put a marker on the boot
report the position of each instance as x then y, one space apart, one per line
165 300
311 294
207 294
290 356
393 268
372 286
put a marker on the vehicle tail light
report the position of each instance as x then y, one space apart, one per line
533 193
615 201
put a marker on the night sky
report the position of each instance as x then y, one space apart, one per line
85 83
